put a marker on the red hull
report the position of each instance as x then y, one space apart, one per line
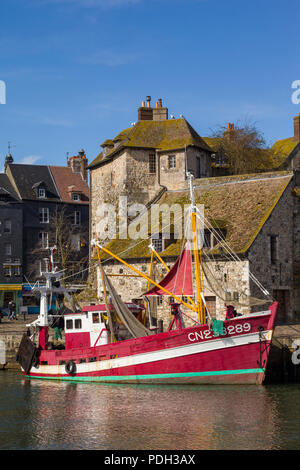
191 355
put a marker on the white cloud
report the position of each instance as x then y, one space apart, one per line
109 58
90 3
30 159
49 121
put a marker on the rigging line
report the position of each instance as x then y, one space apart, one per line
181 253
122 252
221 241
232 253
138 243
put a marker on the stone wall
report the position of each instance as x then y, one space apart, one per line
295 163
128 176
296 197
277 275
11 342
226 279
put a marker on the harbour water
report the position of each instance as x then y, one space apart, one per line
46 415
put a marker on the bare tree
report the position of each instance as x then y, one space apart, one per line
71 241
243 147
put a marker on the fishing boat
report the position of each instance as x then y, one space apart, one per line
211 351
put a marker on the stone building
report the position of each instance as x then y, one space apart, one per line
256 215
145 160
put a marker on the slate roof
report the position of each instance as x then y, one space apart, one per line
65 178
27 176
55 179
238 204
171 134
7 188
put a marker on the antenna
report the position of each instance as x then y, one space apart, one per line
10 146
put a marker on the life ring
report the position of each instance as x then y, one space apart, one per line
70 367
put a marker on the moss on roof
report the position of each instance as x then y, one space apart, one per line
240 205
283 149
285 146
166 135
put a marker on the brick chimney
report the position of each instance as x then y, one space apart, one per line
159 112
229 130
147 113
79 164
297 128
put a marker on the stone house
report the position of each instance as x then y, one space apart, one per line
256 215
145 160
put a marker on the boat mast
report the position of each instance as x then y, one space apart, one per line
197 253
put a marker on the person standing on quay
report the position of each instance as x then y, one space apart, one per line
12 310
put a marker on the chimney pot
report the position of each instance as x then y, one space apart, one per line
160 103
148 99
143 104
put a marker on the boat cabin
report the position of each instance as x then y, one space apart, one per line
89 328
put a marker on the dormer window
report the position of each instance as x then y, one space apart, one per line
4 195
41 192
75 197
39 189
74 193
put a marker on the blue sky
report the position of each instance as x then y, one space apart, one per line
77 70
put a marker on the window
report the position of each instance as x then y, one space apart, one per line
211 305
172 161
44 215
8 249
157 242
7 226
41 192
76 218
273 248
152 163
17 270
95 317
75 197
69 325
7 271
211 239
78 324
43 239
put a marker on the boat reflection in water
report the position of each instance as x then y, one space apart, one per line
129 417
